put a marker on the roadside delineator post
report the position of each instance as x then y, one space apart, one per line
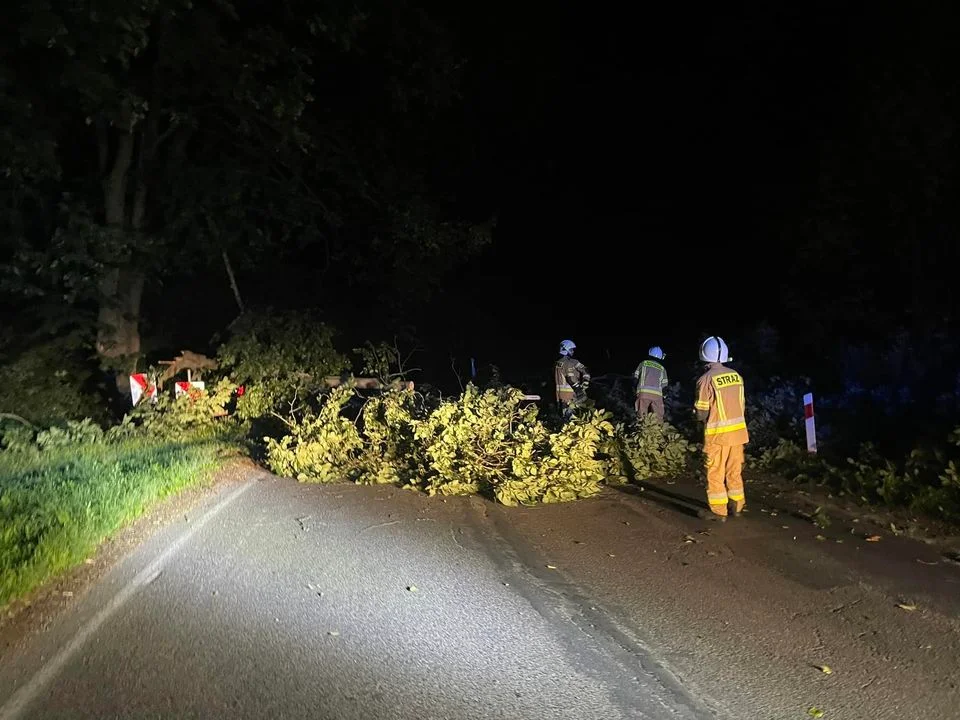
809 422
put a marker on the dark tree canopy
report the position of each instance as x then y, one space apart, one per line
352 157
152 142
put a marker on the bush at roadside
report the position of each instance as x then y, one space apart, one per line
48 382
281 359
200 416
927 481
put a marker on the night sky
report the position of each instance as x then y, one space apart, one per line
628 154
636 157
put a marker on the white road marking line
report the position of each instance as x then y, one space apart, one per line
19 701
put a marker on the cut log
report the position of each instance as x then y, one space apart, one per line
332 381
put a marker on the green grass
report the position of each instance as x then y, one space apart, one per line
56 507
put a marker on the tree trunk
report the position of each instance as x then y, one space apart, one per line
118 335
121 286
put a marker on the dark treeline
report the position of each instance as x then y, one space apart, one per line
484 181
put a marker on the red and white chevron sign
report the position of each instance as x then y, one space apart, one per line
140 385
191 388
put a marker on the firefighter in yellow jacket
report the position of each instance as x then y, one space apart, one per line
572 379
651 379
720 405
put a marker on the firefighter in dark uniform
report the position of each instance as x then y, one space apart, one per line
572 379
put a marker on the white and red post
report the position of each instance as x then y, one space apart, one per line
809 422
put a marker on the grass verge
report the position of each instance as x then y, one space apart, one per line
57 506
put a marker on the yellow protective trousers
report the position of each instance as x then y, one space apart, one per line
724 464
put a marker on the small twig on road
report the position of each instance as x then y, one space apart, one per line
868 683
380 525
456 542
839 608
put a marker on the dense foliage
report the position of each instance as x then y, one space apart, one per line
927 480
48 381
281 360
203 144
484 441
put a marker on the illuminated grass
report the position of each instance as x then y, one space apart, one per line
57 506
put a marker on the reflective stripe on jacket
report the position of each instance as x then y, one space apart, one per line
651 378
720 395
567 374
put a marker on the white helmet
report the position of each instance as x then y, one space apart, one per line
656 352
567 347
714 349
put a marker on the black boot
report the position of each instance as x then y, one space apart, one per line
711 516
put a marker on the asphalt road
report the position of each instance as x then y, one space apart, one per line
770 615
279 600
272 599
